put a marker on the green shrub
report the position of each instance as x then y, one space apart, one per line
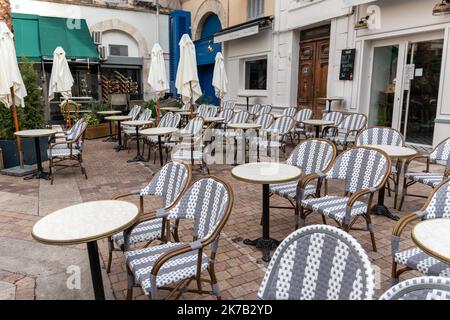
91 119
151 105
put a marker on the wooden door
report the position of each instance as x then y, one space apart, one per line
313 72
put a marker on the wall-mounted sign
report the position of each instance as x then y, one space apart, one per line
347 64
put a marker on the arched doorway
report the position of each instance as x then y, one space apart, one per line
206 53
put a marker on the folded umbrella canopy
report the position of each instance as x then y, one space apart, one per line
220 79
187 82
157 78
12 88
61 80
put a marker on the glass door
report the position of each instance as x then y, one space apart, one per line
420 90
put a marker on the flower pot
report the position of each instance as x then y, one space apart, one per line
97 131
11 155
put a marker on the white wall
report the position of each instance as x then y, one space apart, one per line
116 37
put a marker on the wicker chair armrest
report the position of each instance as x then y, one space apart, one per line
125 195
415 158
447 173
169 255
327 128
307 179
354 197
68 142
403 222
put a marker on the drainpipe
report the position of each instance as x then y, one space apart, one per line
157 21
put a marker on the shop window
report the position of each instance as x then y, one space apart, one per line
118 50
256 74
255 9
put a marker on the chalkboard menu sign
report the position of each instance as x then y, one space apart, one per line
347 64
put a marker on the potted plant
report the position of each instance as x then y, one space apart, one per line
32 116
97 127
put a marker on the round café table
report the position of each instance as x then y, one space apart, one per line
433 237
109 113
37 134
170 109
318 124
265 174
277 115
393 152
330 100
159 132
244 127
119 119
137 124
86 223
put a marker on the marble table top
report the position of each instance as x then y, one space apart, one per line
36 133
266 172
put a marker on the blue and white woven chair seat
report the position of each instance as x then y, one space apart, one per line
341 140
181 267
421 288
183 155
428 178
334 207
289 190
416 259
62 152
143 232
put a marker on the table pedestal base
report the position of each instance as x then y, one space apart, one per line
138 158
38 175
381 210
266 245
96 271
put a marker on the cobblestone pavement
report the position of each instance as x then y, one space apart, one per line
239 267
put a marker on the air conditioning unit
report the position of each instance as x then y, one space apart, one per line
103 52
97 37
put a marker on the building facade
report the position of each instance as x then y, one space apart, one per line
388 59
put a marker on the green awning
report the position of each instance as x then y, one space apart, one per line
26 37
36 38
71 34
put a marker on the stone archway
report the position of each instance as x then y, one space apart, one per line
206 8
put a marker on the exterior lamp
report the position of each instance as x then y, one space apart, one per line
442 8
362 23
210 48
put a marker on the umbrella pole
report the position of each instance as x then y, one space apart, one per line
191 102
68 113
220 105
16 126
158 111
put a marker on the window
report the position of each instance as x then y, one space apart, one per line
256 74
118 50
255 9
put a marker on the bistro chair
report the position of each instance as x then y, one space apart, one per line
363 171
207 204
346 131
437 206
228 105
169 183
265 121
300 116
59 153
254 110
130 132
276 135
228 115
318 263
312 156
384 136
264 109
334 116
134 112
238 117
421 288
431 179
289 112
70 134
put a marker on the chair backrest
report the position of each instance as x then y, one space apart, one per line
169 183
228 105
380 136
421 288
442 152
79 135
254 109
438 204
334 116
194 126
134 112
282 125
202 110
353 122
302 115
290 111
186 107
170 120
360 168
165 119
318 262
227 114
264 109
212 111
72 133
146 115
265 120
208 203
313 156
240 117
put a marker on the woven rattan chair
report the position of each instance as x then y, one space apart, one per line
264 109
346 131
334 116
276 135
129 133
437 206
384 136
431 179
363 171
62 155
228 105
421 288
289 112
318 263
254 110
312 156
300 116
207 204
169 183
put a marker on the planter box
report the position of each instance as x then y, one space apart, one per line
97 131
11 155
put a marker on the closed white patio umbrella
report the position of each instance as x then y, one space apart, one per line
187 82
157 78
61 80
220 79
12 88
